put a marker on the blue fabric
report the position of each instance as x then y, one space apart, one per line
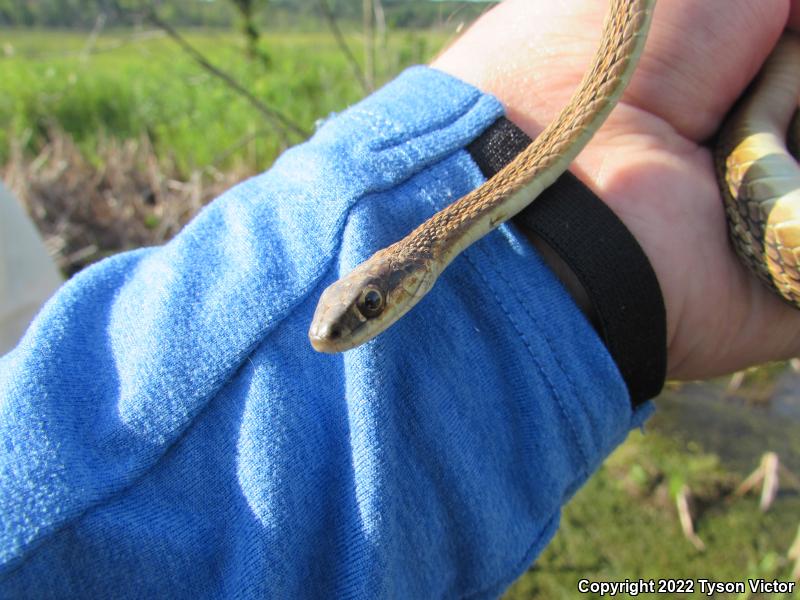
166 430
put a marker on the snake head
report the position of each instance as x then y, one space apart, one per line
372 297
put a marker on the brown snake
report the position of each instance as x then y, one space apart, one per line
382 289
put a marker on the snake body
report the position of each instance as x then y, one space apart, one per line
386 286
759 181
759 178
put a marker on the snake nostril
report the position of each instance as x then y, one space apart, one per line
335 333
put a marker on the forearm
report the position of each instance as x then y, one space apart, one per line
167 411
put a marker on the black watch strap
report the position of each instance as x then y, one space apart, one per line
607 260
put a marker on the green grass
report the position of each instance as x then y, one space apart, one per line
623 525
130 86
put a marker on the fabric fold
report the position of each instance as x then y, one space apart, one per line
167 427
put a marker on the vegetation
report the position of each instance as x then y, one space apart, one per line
140 83
225 13
133 101
114 138
623 525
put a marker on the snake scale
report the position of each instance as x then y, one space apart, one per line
757 176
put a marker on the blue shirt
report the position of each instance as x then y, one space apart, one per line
166 429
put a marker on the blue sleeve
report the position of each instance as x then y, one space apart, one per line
166 429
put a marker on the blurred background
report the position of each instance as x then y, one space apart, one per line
119 119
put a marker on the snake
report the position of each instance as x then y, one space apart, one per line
757 175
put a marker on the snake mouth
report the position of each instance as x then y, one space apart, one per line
339 335
337 324
327 339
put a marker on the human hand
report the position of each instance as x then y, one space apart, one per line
648 162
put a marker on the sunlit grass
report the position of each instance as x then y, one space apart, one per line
623 525
129 83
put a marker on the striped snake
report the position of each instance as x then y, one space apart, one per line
754 170
759 177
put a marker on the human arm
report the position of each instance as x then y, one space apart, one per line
167 427
168 430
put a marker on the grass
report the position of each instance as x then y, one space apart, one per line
114 144
141 83
623 525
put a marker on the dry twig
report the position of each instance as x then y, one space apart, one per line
277 118
685 516
767 474
330 18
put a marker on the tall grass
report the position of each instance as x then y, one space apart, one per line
128 84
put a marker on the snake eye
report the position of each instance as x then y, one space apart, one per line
371 302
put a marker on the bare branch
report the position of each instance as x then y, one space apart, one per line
326 11
368 19
99 23
278 119
380 22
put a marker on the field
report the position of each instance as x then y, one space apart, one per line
141 83
148 135
114 143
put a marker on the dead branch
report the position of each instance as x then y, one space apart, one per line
330 18
767 475
99 23
278 119
368 17
685 515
